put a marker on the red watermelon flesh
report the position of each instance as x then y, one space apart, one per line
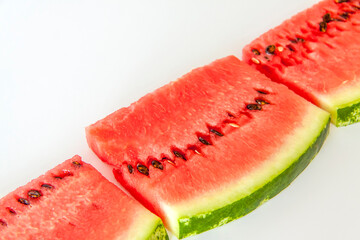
74 201
316 53
211 146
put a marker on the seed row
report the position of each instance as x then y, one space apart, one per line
341 16
34 194
205 140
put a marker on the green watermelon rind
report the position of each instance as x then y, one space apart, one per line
158 233
348 115
202 222
343 105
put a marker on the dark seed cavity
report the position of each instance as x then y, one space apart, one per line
195 148
3 223
203 141
344 15
179 155
157 164
130 168
46 185
262 92
270 49
231 115
255 51
143 169
327 18
216 132
261 101
254 107
24 201
63 174
12 211
34 194
77 164
290 47
322 27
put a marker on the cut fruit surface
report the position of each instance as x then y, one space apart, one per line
211 146
316 53
74 201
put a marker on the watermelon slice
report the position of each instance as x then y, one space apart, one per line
316 53
74 201
211 146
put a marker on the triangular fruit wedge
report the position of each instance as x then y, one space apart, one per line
316 54
74 201
211 146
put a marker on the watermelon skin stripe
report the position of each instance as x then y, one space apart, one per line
221 216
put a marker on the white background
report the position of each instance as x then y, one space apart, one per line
65 64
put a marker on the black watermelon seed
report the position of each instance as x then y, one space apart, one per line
341 1
327 18
203 141
254 107
48 186
130 168
24 201
179 155
157 164
261 101
3 223
12 211
322 27
255 51
142 169
77 164
270 49
300 40
34 194
216 132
